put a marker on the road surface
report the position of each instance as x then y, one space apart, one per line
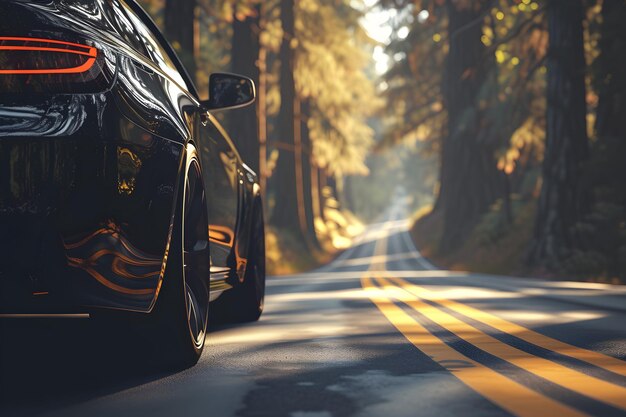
378 332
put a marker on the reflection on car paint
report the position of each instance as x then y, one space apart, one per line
225 236
141 97
58 116
109 257
128 166
221 235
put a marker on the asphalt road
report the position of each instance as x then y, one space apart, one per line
379 332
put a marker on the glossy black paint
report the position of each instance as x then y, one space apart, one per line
89 181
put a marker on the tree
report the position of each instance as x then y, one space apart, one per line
179 18
469 176
336 98
329 132
605 226
287 212
563 202
610 67
245 55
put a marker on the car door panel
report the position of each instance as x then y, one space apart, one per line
219 164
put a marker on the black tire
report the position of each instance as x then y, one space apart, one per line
245 302
181 313
172 336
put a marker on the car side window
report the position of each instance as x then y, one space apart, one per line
156 52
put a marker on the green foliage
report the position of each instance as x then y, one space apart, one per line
413 84
512 99
493 226
330 71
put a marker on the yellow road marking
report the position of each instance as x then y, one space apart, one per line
601 361
507 394
579 382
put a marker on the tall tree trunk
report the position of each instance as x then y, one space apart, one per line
469 176
562 202
608 153
179 27
287 212
322 184
299 171
261 107
316 196
612 69
244 58
307 184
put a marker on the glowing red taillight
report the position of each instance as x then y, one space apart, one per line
29 56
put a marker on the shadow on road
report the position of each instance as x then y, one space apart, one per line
53 362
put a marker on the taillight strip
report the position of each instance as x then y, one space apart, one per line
84 50
90 53
43 40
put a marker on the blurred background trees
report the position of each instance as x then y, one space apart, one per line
523 95
309 128
501 120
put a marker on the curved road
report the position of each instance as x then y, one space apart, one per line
378 332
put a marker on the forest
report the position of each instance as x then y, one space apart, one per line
501 119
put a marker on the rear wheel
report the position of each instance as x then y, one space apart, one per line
181 313
196 259
175 329
245 302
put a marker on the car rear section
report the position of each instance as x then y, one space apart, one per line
88 177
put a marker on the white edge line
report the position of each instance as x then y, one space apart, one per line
411 246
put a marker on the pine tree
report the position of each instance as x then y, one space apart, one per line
287 212
563 202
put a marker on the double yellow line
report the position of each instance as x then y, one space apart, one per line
518 399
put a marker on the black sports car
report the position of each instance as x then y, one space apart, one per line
119 190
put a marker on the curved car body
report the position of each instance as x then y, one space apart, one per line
97 119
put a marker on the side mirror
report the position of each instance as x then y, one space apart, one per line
229 91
